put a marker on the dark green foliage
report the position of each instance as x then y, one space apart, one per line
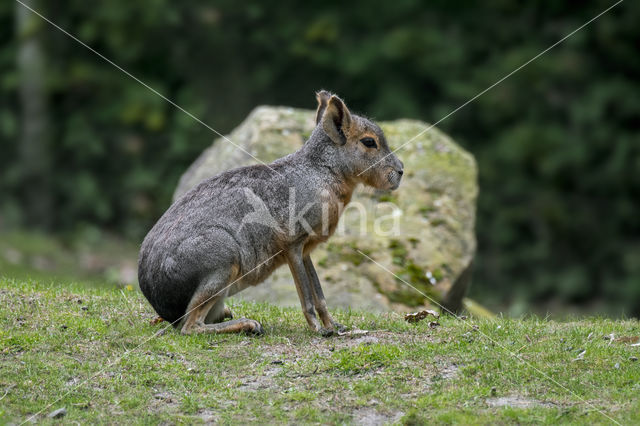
557 143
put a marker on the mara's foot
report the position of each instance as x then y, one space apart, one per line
243 325
227 313
339 327
336 328
253 327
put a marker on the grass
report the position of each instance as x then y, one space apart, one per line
92 351
89 257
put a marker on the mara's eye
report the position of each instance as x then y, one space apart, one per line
368 142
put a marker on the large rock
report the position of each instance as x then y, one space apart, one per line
434 242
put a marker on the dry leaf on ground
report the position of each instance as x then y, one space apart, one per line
419 316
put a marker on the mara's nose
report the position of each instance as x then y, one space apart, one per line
400 172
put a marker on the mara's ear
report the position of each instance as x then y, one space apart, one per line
323 99
336 120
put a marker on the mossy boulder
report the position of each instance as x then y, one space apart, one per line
432 246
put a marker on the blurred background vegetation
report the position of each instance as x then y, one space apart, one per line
90 155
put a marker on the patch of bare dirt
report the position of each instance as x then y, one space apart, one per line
263 381
349 340
449 372
370 416
431 374
516 401
163 401
208 417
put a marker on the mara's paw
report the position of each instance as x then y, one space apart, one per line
253 328
227 314
339 327
335 330
327 332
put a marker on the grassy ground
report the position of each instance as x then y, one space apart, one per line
89 257
93 352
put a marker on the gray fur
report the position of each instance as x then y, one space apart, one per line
204 242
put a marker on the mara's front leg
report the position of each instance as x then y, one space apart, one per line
319 300
303 286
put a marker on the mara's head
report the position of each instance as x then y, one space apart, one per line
361 147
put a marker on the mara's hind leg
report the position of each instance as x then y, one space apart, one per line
195 321
218 313
211 294
242 325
